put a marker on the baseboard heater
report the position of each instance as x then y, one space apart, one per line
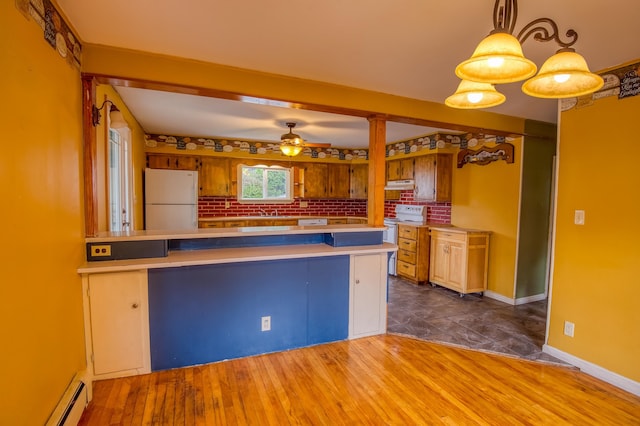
71 405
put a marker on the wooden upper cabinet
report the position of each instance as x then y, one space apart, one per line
432 176
172 162
214 177
407 168
400 169
338 180
359 181
393 170
314 181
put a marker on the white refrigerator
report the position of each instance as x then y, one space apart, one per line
171 199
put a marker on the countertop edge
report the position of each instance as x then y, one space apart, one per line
185 258
244 231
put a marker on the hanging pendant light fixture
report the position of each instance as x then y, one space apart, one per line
499 59
471 95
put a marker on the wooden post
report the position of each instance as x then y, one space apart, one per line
90 158
377 170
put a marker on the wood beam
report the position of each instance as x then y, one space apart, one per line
90 158
377 171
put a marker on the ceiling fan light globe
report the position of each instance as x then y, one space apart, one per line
290 150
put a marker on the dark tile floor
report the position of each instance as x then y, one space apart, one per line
440 315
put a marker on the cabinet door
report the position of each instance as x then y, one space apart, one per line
394 170
457 266
315 180
214 176
433 177
338 181
438 269
407 168
173 162
359 181
119 322
368 295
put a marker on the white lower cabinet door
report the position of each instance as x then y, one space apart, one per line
368 301
119 323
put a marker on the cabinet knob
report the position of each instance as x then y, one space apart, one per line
357 281
134 306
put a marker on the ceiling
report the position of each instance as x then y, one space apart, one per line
402 47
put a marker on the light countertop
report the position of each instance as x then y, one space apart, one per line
229 232
183 258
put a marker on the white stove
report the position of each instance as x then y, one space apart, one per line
410 213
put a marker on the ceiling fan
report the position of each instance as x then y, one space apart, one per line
291 144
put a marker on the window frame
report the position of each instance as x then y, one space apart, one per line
290 185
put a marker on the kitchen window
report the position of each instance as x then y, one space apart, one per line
265 184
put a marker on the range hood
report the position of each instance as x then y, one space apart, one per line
397 185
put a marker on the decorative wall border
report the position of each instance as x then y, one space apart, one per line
395 149
486 155
623 82
55 29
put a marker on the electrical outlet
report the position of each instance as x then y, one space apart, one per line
304 204
578 217
227 204
266 323
569 327
101 250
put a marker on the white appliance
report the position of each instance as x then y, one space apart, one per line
410 213
171 199
397 185
390 235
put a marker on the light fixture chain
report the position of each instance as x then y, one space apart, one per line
541 33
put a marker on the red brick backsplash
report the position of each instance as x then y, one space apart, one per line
436 212
215 207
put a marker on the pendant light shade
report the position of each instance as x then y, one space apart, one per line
564 75
471 94
497 59
290 150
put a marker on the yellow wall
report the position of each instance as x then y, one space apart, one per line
139 158
42 222
596 284
487 198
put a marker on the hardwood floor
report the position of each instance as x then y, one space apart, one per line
385 379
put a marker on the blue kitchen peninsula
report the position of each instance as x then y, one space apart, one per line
168 300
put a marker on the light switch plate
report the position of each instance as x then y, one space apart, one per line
578 218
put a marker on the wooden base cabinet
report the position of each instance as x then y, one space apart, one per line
117 324
459 259
413 253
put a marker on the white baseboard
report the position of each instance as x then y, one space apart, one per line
595 370
499 297
531 299
520 301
